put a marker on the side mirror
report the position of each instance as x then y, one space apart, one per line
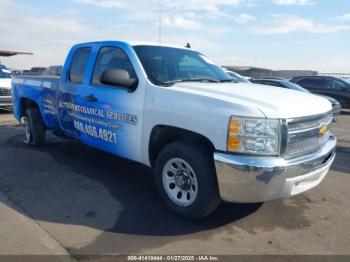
118 77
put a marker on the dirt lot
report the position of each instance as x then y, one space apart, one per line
94 203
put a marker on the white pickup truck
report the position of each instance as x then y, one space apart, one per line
206 136
5 88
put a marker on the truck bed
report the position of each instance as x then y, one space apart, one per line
37 89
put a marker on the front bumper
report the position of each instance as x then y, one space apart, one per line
252 179
336 112
5 101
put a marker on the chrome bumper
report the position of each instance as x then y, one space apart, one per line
249 179
5 101
336 111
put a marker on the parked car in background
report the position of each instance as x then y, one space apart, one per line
275 78
286 84
5 88
3 67
34 71
52 71
336 87
17 72
239 78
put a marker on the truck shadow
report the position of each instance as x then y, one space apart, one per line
72 186
70 183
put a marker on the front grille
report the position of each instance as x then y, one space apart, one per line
308 122
304 134
5 92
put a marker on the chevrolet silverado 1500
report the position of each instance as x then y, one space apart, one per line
206 136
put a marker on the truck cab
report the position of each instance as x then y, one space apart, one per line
206 136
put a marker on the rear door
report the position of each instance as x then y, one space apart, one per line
70 88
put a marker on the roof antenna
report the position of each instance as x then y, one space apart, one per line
188 45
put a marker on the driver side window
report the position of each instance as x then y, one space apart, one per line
111 58
337 84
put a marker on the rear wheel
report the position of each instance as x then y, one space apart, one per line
186 180
35 129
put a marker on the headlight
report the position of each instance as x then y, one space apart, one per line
254 136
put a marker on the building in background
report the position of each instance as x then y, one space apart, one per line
252 72
342 75
295 73
256 72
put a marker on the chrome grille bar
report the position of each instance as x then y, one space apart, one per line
304 134
308 122
5 92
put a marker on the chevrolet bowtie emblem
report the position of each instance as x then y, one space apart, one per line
323 130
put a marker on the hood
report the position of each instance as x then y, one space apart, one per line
5 83
331 99
273 102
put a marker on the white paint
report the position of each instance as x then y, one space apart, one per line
5 83
205 108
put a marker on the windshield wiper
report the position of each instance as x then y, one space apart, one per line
190 80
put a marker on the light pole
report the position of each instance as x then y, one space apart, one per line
160 22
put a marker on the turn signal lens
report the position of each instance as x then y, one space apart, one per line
234 127
234 143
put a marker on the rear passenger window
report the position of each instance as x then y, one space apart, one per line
79 64
111 58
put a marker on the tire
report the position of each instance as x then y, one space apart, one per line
35 127
199 197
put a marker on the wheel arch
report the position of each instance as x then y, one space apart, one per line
25 104
162 135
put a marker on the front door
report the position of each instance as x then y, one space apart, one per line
111 116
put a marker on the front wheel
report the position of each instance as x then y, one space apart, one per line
186 180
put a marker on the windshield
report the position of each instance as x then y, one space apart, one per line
237 77
4 73
295 87
346 80
166 66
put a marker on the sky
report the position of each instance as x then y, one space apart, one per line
275 34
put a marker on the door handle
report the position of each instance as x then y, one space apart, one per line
90 98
